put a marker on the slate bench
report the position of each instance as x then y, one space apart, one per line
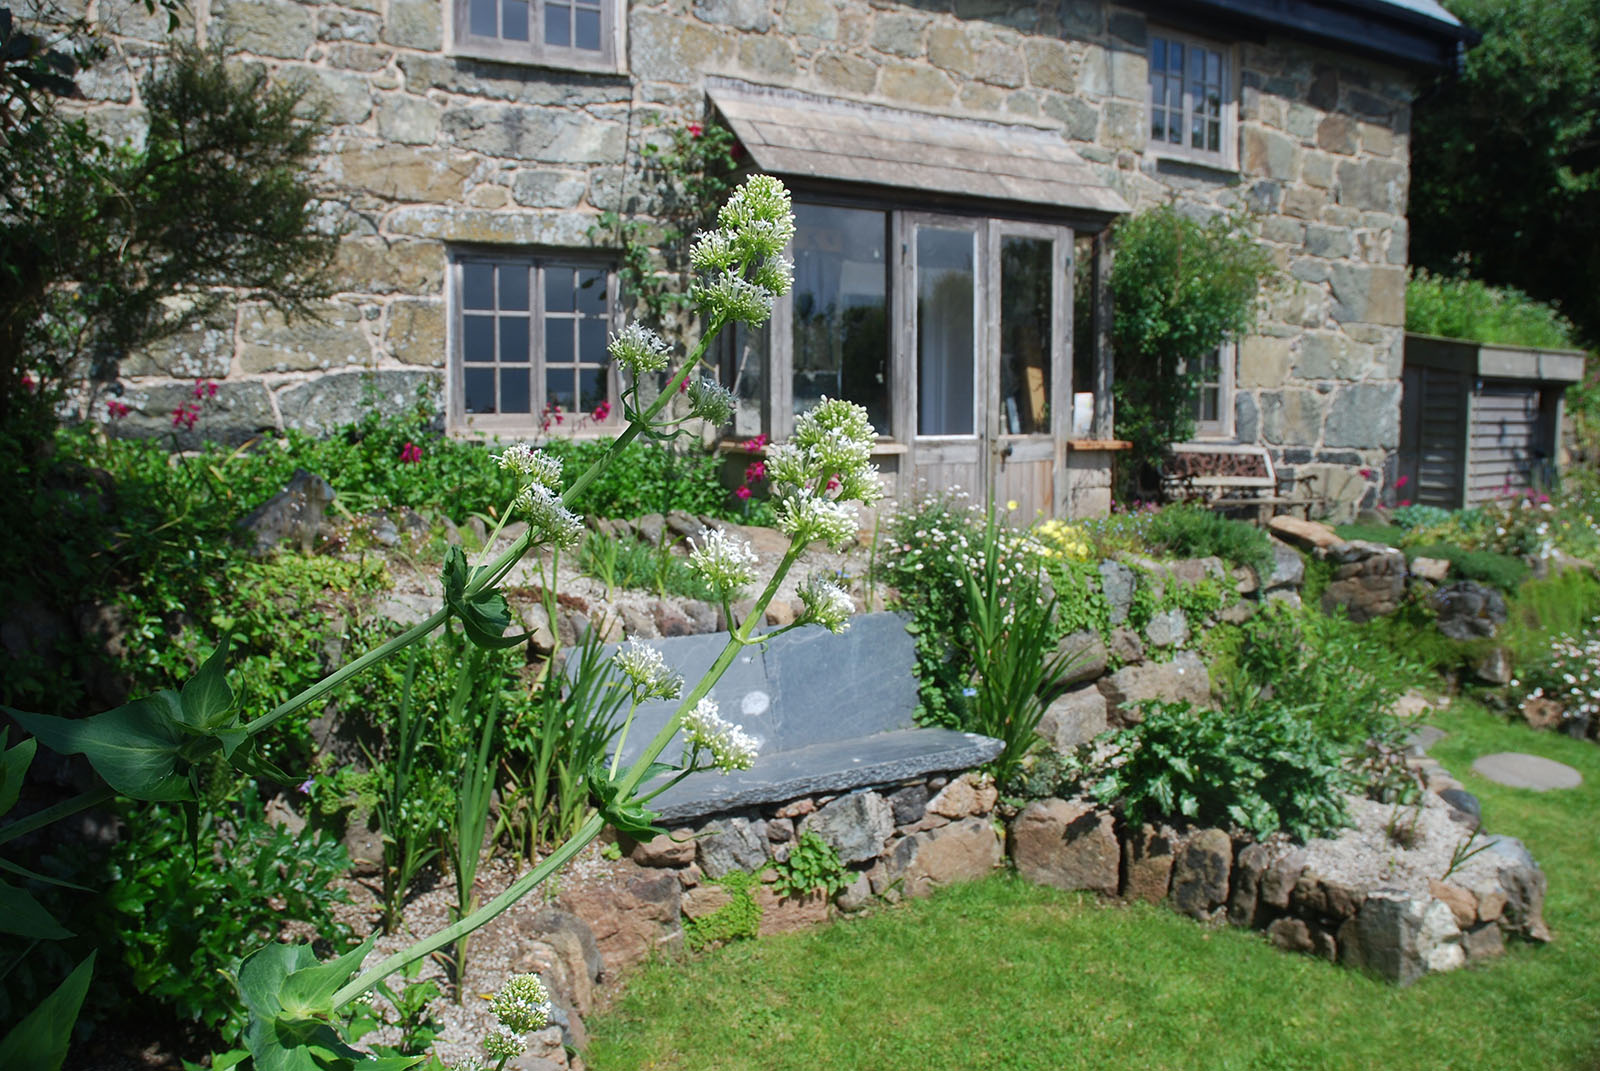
1234 476
831 714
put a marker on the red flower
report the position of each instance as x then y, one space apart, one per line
742 494
204 388
117 409
833 483
758 443
1405 502
756 470
1367 474
28 383
1401 481
695 129
410 453
601 411
185 416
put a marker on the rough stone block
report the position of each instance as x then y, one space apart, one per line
961 851
729 844
1073 719
787 914
272 343
1088 657
1067 844
1200 872
1183 678
1244 894
855 825
674 849
1147 862
1400 939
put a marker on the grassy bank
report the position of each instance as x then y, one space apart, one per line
1004 975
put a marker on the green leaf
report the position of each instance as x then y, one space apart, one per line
14 764
134 747
247 759
21 914
625 815
308 992
206 697
24 872
39 1042
484 616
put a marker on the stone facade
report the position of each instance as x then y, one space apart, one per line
428 151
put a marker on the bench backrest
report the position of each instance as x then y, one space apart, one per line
1220 465
804 687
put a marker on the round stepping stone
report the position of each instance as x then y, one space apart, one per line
1516 770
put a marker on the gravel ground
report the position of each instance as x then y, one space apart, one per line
1367 855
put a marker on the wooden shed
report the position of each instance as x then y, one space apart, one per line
1479 421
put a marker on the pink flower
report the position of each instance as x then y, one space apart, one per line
601 411
758 443
27 383
756 470
410 453
1405 502
204 388
116 409
833 483
1367 474
185 416
1401 481
695 129
742 493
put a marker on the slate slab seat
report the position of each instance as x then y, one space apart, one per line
831 714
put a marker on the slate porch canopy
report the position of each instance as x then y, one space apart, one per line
801 135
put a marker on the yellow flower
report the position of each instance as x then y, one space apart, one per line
1011 505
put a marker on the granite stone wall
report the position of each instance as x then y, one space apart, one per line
427 150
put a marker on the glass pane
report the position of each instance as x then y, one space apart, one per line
1197 131
1026 271
586 29
514 339
592 387
592 292
592 342
946 345
481 19
558 388
557 25
515 391
1158 122
1158 54
558 342
558 289
477 338
841 309
744 368
1175 59
1214 136
477 285
515 26
514 286
1208 404
1214 68
479 392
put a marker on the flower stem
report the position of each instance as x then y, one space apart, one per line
65 809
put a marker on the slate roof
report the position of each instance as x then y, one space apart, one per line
798 134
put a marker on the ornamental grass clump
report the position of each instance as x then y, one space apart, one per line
162 747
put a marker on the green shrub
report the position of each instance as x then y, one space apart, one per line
1192 531
1409 517
1389 535
1263 768
626 562
1485 566
1469 309
1081 604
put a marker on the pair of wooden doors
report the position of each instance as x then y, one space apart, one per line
984 329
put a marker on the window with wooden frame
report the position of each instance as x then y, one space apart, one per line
1192 109
529 339
1213 403
578 34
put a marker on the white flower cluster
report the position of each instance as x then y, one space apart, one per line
540 498
731 748
710 401
536 465
1571 675
504 1045
741 263
647 671
821 469
810 517
523 1004
725 562
639 349
825 603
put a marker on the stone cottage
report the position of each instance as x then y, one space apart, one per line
955 164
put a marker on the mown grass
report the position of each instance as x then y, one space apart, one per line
1000 974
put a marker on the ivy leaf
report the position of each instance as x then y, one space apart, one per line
39 1042
21 914
135 747
206 697
484 616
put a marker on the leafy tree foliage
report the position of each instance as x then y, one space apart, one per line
105 247
1506 157
1181 287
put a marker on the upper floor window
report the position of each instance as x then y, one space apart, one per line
1191 99
530 344
557 33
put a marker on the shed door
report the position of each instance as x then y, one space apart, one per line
1507 449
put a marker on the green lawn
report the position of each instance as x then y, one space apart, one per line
1003 975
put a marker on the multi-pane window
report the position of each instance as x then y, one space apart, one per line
1213 404
566 33
531 341
840 324
1191 104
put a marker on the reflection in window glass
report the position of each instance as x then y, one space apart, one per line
841 309
1026 274
744 371
946 345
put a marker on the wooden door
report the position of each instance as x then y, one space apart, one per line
942 344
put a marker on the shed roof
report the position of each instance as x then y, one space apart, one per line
802 135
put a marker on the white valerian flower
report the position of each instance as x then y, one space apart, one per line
725 562
826 604
775 273
714 251
729 296
548 516
523 1004
760 213
710 401
648 672
731 748
639 349
503 1045
809 517
542 468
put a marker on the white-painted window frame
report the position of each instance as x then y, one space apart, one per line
611 58
1226 155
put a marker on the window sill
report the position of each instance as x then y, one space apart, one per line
512 58
1195 166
